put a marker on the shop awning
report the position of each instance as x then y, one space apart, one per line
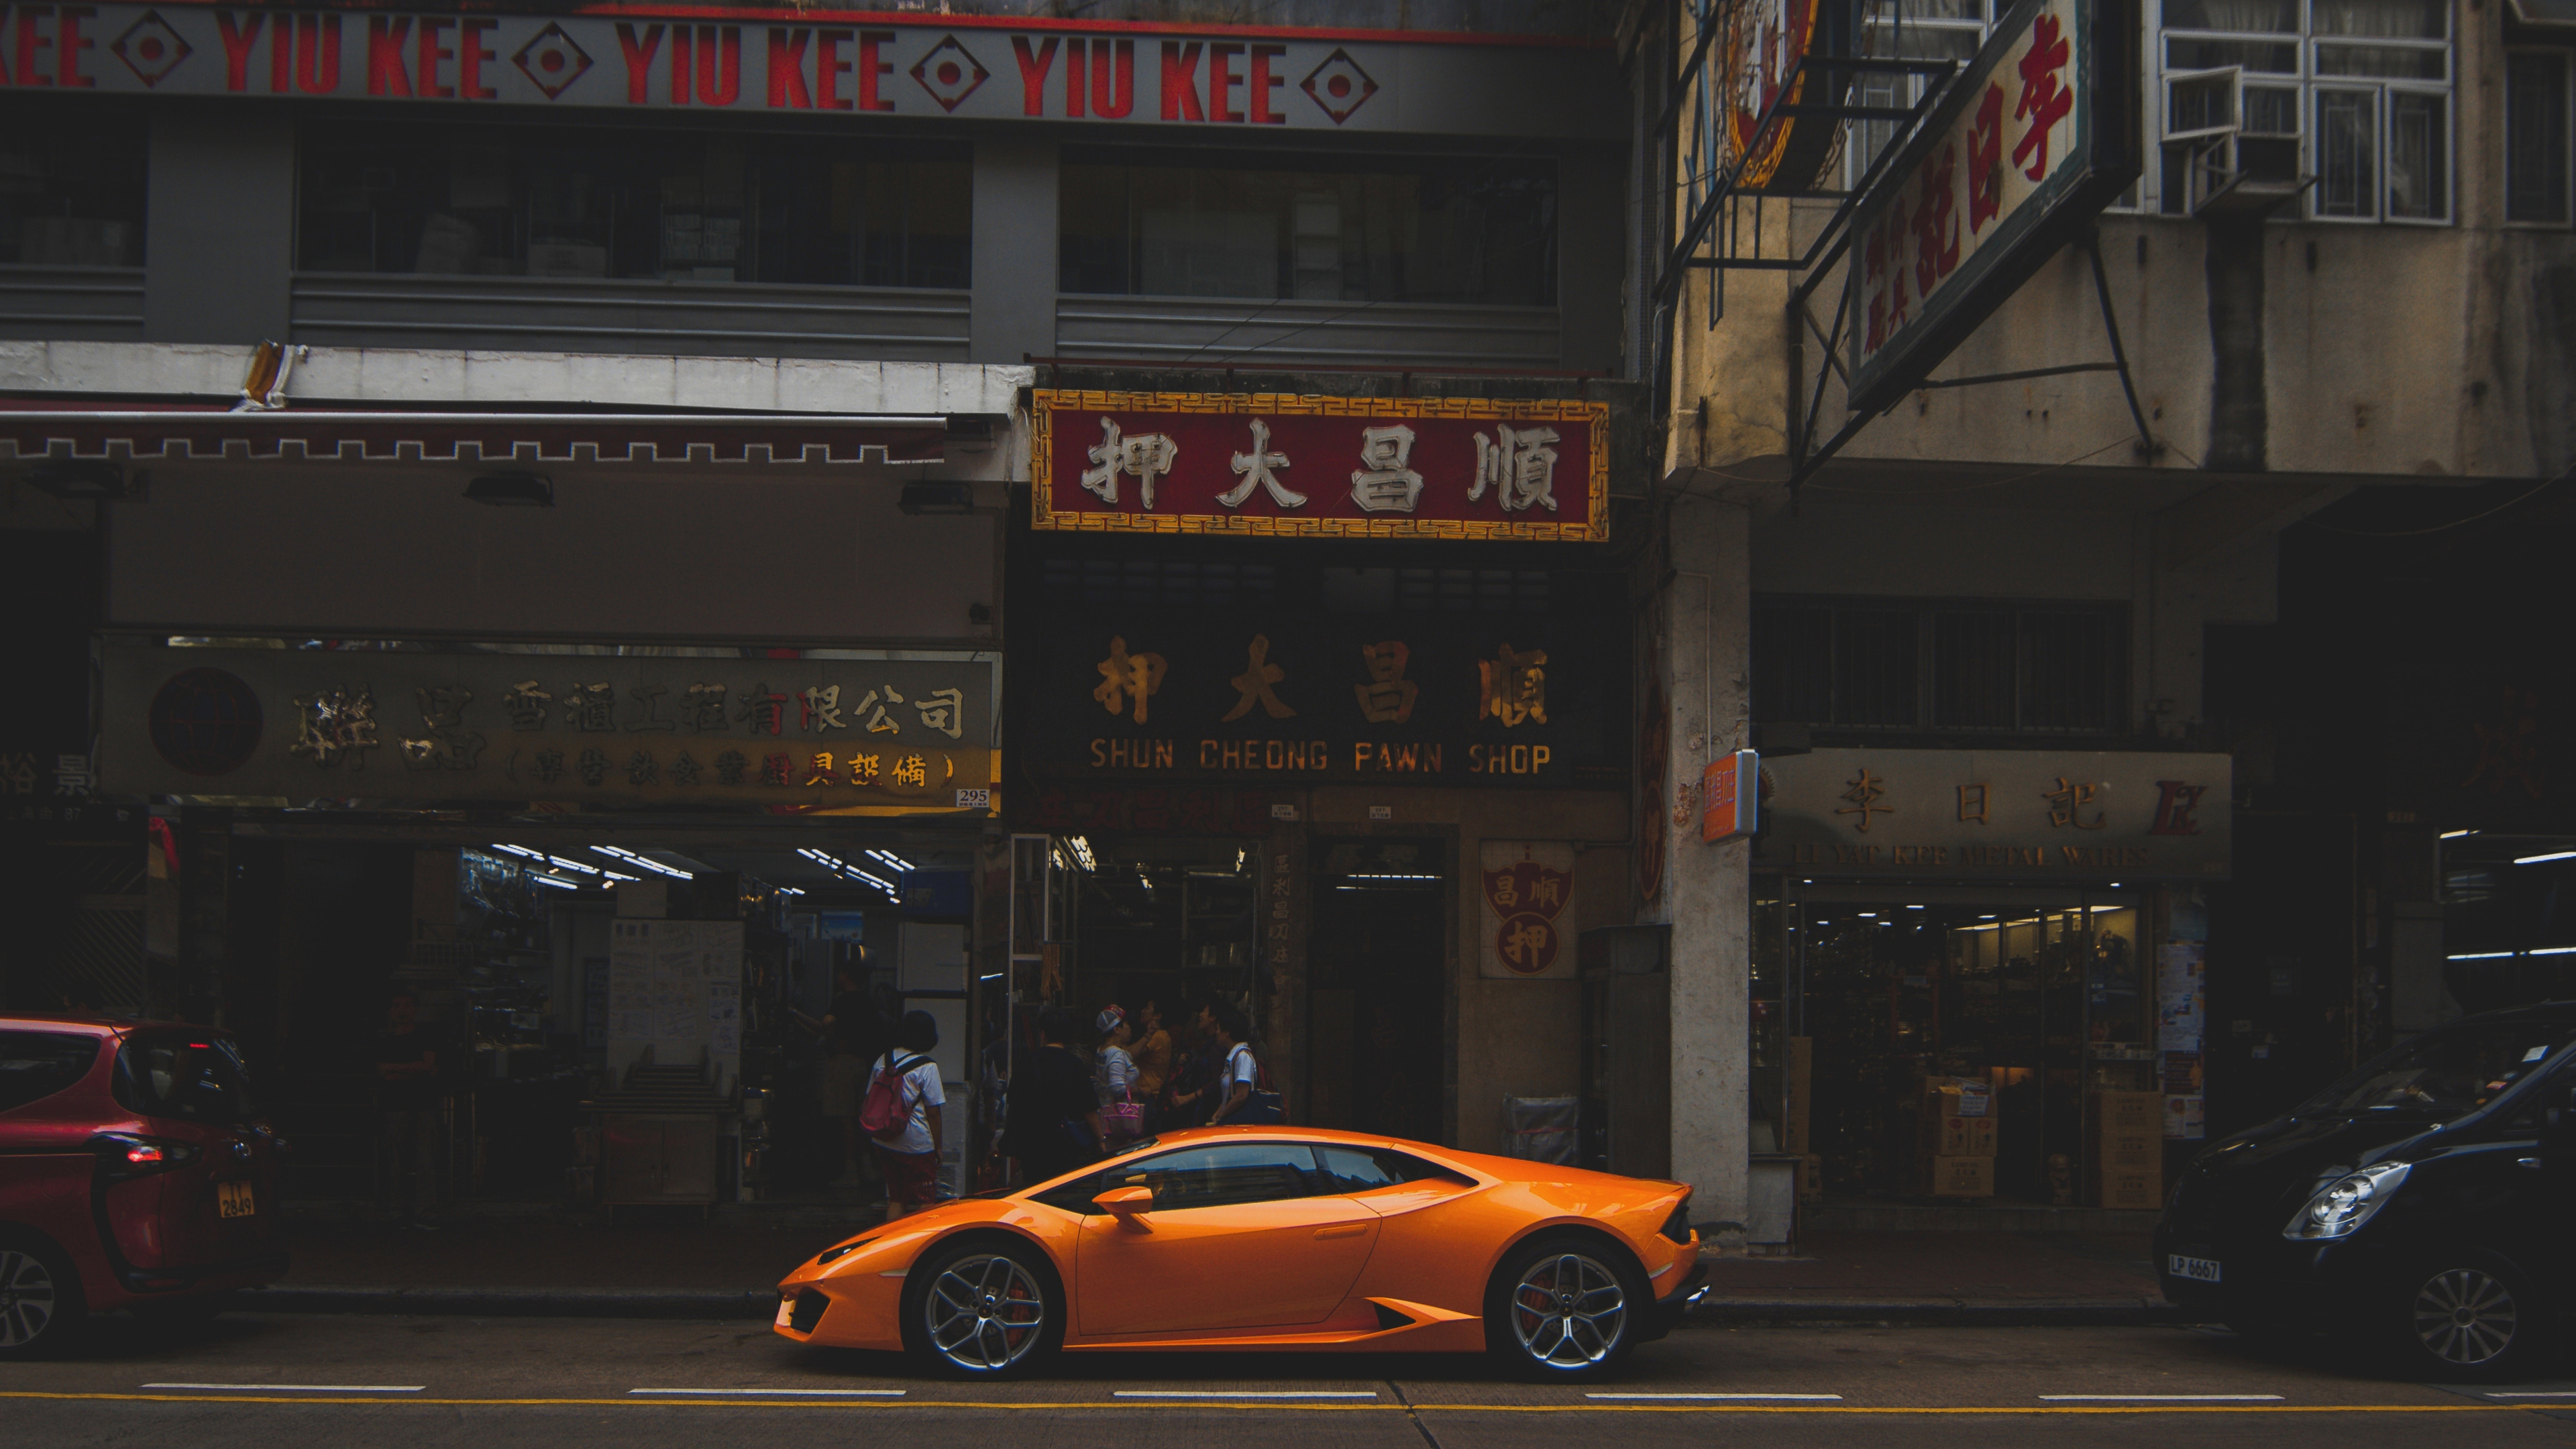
34 429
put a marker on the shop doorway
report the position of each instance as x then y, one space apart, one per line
2038 994
1377 980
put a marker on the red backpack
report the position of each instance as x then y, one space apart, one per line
883 1112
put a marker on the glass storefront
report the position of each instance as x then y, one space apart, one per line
1864 994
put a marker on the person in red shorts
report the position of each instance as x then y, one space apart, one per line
909 1156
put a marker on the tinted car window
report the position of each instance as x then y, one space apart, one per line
2445 1073
197 1079
37 1064
1349 1169
1199 1177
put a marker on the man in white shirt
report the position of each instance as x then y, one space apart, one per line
1221 1022
909 1157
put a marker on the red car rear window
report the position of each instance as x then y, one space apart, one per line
36 1064
186 1076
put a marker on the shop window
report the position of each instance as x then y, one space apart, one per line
1966 667
1172 224
543 202
71 187
2536 136
1950 30
2355 93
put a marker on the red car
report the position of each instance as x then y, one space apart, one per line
135 1173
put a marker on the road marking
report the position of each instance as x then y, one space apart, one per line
1243 1393
1798 1398
2460 1406
2160 1398
2539 1394
301 1388
1732 1399
791 1393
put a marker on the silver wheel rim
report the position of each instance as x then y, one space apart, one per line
1568 1311
2465 1317
984 1313
26 1298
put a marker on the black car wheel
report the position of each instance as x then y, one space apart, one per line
2467 1319
1564 1308
40 1300
983 1309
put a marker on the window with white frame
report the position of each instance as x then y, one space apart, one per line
1949 30
2537 136
2356 93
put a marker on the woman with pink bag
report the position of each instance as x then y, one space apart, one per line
1122 1117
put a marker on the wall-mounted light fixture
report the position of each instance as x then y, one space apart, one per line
512 490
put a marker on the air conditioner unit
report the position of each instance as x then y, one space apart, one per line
2231 142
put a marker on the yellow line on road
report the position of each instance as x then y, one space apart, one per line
1147 1406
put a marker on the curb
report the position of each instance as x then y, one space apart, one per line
762 1303
1941 1312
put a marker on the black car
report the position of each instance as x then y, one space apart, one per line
2421 1205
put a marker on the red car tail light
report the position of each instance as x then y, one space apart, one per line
125 1154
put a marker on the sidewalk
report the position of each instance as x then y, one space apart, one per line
680 1266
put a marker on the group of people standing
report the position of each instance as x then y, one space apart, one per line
1141 1080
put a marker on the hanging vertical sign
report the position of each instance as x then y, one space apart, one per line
1730 796
1527 886
2026 147
1764 54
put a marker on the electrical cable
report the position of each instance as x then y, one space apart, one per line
2535 491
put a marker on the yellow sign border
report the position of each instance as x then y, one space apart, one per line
1045 402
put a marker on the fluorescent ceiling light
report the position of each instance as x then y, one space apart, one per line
573 865
2456 834
558 882
891 860
631 858
2552 855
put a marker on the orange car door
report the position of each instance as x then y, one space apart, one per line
1238 1237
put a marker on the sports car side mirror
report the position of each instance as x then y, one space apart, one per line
1126 1204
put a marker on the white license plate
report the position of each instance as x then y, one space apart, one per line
786 1312
2198 1270
233 1200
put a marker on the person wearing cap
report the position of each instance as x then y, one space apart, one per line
1113 1072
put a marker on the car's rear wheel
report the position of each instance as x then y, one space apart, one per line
983 1309
2470 1319
41 1307
1564 1308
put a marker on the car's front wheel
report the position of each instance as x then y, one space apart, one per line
983 1309
2472 1319
40 1300
1564 1308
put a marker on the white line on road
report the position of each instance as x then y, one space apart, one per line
2160 1398
302 1388
1791 1398
794 1393
1243 1393
2538 1394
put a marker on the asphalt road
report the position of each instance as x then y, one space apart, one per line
286 1379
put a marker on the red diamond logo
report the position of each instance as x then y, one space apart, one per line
1339 86
551 61
150 48
949 73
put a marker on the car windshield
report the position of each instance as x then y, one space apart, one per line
2444 1073
191 1077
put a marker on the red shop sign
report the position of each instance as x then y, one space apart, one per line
1275 465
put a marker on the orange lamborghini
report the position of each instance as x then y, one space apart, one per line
1269 1238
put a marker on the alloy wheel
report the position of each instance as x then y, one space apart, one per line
984 1313
1568 1311
26 1298
2465 1317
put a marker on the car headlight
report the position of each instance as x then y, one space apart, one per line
828 1254
2347 1202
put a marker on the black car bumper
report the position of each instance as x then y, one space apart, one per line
1668 1310
2275 1283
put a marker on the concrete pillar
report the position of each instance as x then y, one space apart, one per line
1702 654
1015 250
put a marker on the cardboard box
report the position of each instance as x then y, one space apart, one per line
2139 1188
1811 1178
1958 1136
2134 1151
1965 1097
1962 1177
2124 1112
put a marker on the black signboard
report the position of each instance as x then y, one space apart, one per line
1268 697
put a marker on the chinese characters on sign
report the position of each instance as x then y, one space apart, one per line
2024 145
1220 463
811 734
2002 814
1527 886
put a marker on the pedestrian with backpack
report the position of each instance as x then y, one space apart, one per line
900 1114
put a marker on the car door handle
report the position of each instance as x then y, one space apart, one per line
1344 1230
2531 1162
